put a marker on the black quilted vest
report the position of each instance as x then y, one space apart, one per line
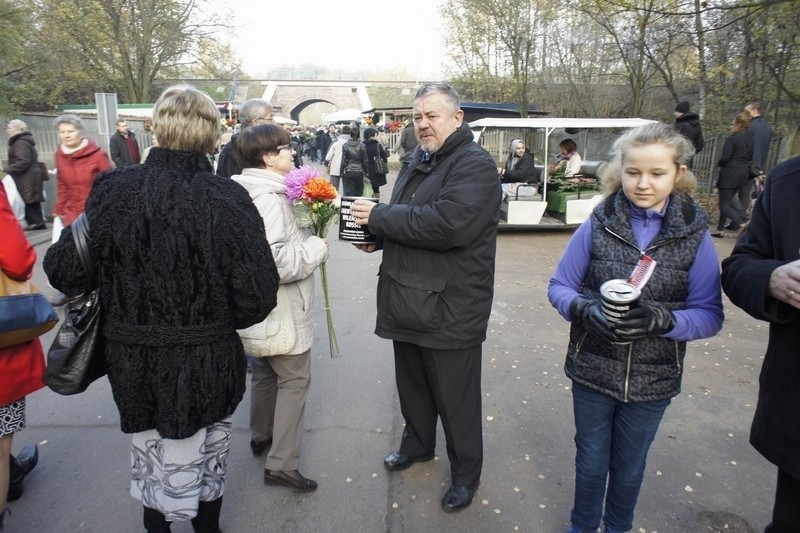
650 369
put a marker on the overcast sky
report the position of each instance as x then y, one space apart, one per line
349 34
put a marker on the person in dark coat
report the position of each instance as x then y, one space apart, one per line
123 147
325 140
762 276
408 141
520 167
375 150
23 166
733 183
761 134
435 286
182 262
253 112
688 123
354 164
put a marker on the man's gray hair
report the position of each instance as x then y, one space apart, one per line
252 110
451 99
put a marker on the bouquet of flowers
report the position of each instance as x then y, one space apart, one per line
316 207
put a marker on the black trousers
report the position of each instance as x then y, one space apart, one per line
786 513
442 384
731 208
33 214
353 183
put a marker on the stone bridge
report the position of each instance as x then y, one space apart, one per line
294 96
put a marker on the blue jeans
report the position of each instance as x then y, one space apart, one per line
613 438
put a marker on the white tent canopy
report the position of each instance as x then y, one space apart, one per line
343 115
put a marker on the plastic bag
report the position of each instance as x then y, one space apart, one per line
58 225
14 199
368 193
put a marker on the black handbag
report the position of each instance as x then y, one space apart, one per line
76 357
380 165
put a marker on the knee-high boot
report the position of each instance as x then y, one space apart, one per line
155 522
207 519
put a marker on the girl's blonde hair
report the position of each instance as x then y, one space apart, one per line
654 133
186 119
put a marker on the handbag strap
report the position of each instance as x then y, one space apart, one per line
80 234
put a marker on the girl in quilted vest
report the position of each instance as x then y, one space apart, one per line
626 370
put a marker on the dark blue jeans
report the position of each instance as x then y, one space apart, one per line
613 438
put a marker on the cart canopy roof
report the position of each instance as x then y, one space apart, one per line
554 123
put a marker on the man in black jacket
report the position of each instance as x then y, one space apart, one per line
435 286
122 146
761 133
254 111
688 123
762 276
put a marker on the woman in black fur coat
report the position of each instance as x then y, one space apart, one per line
182 262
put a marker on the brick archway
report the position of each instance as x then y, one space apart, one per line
294 96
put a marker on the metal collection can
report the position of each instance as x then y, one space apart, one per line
618 297
349 230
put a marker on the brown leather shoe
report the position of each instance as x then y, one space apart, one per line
291 478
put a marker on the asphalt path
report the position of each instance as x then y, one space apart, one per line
702 474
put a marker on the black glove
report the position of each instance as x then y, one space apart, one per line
649 319
589 314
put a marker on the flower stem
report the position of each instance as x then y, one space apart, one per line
332 341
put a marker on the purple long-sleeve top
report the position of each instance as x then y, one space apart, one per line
702 316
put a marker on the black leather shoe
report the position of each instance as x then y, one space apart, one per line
292 479
258 447
21 466
401 461
457 498
36 227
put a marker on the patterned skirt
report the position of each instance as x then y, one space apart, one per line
12 417
173 476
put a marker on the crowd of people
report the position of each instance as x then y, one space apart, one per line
185 261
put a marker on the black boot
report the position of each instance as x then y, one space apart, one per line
19 467
154 521
207 519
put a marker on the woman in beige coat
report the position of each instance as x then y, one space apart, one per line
281 345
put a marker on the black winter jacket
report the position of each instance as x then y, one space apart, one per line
227 164
772 240
182 261
120 152
652 368
375 149
689 125
523 172
23 166
438 234
354 157
734 162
